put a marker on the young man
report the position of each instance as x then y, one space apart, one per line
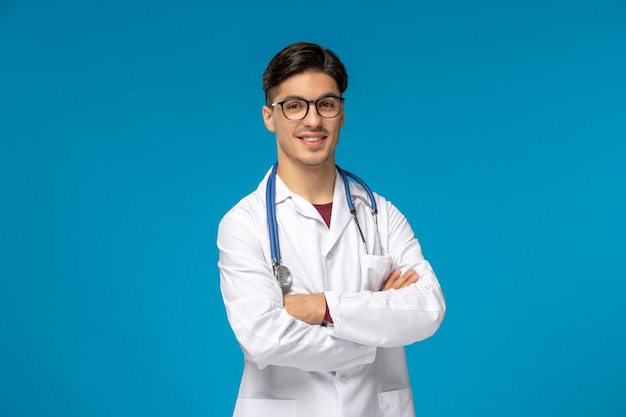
326 336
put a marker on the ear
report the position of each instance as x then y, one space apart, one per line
268 118
343 118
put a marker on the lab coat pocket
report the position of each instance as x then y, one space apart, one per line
251 407
397 403
375 270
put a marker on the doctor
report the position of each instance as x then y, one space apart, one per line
323 286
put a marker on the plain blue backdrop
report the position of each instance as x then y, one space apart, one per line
128 128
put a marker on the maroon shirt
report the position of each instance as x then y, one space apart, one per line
325 211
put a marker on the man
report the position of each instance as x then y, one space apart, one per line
330 342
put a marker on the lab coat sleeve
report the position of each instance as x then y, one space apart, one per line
392 318
267 334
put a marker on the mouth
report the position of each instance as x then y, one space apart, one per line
312 139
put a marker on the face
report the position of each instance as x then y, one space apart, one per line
309 142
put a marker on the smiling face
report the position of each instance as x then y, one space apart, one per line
309 142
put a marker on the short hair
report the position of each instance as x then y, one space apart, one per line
300 57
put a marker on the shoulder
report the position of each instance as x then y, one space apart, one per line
247 211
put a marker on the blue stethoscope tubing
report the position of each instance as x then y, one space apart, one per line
281 272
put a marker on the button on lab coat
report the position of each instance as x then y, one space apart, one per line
356 367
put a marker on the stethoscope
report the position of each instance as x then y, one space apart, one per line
281 272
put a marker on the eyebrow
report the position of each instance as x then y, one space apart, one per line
329 94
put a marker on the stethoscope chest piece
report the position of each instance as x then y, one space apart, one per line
283 276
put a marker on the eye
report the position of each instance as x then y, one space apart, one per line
294 105
327 103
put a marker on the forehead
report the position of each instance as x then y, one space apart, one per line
309 85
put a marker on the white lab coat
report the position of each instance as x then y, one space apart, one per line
356 367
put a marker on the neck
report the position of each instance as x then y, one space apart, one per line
315 184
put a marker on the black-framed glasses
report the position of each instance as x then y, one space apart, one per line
297 108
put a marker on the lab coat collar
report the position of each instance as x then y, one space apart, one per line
339 195
341 215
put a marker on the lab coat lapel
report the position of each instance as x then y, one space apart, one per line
341 216
302 206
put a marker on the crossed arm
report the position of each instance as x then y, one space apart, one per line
310 308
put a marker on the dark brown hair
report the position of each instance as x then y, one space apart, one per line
301 57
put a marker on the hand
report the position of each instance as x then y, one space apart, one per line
398 280
309 308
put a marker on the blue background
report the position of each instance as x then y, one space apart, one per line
128 128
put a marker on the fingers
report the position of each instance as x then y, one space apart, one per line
408 278
397 280
389 283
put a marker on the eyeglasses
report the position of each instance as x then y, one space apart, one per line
297 108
